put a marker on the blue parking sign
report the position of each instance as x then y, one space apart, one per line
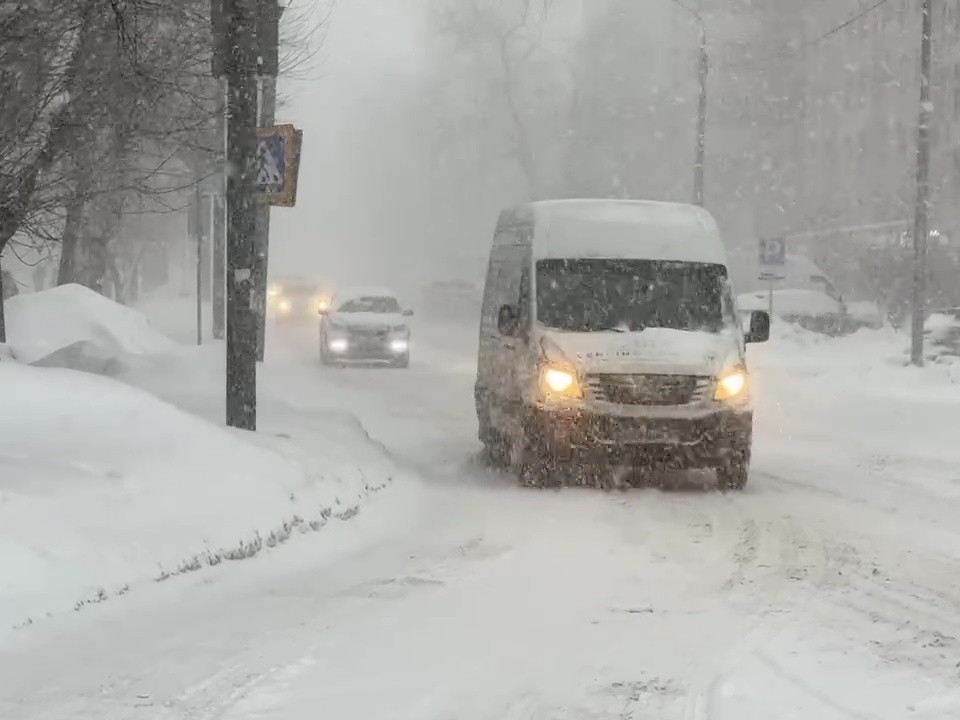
773 252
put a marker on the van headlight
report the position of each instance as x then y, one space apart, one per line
732 384
559 382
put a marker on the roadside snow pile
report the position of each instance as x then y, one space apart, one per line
103 487
874 362
943 335
5 352
72 326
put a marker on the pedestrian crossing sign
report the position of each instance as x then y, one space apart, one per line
278 164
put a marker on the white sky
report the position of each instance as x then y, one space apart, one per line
368 43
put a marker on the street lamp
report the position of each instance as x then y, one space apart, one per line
703 70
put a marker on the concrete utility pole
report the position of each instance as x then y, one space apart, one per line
703 71
701 117
923 191
240 72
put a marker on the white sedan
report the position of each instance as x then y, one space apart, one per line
364 325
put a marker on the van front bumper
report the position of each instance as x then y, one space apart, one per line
703 436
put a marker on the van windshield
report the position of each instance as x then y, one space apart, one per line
629 295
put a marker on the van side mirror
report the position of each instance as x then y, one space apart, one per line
508 320
759 327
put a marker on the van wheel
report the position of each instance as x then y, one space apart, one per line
734 472
496 450
534 465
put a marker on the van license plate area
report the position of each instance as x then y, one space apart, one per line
640 433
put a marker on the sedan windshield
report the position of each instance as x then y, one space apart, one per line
371 305
629 295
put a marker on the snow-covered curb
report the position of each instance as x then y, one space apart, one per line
103 487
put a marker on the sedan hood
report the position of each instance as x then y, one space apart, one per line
654 350
367 320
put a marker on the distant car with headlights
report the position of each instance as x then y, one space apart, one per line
609 337
365 325
295 299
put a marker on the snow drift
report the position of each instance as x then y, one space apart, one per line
103 486
72 326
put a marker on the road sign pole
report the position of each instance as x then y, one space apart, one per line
218 300
267 112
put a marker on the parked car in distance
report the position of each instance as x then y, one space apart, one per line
812 310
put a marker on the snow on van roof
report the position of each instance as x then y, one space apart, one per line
626 229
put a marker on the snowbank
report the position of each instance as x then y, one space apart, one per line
872 362
103 487
72 326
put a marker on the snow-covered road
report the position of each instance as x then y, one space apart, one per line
828 590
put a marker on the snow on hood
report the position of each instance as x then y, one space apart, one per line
368 319
652 350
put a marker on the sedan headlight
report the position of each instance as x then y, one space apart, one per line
731 385
558 382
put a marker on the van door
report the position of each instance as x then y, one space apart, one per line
497 371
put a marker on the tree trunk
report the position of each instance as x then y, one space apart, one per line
92 260
69 242
116 279
3 320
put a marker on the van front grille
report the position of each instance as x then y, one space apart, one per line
652 390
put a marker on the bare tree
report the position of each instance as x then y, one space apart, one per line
514 69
